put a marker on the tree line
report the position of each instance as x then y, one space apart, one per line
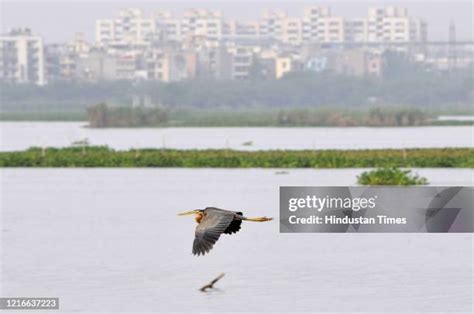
402 84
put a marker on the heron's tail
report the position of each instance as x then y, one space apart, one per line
258 219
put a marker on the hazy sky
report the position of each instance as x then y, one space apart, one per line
57 21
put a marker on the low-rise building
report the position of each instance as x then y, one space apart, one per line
282 66
356 62
242 58
171 66
214 62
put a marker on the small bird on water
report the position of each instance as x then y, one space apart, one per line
212 222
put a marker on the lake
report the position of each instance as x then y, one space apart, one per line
456 118
109 240
22 135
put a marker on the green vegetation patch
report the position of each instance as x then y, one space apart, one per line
390 176
106 157
101 116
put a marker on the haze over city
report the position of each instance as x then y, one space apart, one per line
80 16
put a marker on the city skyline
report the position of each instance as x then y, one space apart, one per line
14 15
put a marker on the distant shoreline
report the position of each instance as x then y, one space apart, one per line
217 119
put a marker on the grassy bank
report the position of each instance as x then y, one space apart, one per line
104 116
105 157
46 116
257 117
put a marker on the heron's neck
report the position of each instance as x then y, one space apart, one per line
198 217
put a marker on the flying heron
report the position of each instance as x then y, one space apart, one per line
212 222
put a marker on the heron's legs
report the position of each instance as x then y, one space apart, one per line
257 219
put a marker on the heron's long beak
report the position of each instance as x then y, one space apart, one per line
191 212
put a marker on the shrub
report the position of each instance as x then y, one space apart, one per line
102 116
390 176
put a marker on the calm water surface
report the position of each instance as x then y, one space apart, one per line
22 135
108 240
456 118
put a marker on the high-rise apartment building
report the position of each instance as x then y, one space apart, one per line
389 24
313 20
271 24
241 30
292 31
331 29
167 27
22 58
202 23
130 27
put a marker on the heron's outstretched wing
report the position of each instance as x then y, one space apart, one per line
234 226
213 224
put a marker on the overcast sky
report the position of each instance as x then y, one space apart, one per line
57 21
